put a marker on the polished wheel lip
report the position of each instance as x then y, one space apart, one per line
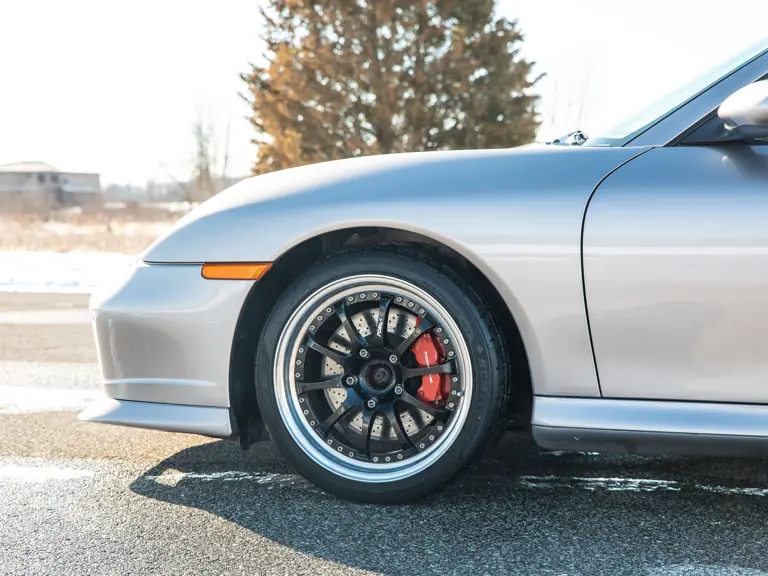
286 389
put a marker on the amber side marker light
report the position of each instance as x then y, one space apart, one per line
245 271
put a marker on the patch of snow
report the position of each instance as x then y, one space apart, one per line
73 272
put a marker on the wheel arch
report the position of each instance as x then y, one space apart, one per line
308 250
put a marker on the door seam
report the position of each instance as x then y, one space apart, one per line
581 259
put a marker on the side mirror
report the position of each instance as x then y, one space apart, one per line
745 112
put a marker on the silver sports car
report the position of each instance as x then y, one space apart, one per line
383 319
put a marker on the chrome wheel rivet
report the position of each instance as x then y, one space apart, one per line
362 296
399 299
312 328
399 456
398 390
329 310
375 459
431 437
311 422
350 298
421 445
371 403
298 374
351 454
319 318
439 330
387 458
375 295
393 359
330 441
306 412
455 379
340 449
421 310
301 349
363 353
298 362
450 352
446 341
410 304
350 380
301 400
451 405
453 392
439 428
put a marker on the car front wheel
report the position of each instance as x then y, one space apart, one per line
380 376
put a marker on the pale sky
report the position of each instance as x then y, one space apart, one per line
114 86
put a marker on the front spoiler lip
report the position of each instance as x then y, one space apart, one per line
203 420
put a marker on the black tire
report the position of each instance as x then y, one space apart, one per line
491 386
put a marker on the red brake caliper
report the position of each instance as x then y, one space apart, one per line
428 352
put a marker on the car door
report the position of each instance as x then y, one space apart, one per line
675 261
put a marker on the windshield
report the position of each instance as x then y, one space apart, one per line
630 127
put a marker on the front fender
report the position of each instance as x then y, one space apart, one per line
515 214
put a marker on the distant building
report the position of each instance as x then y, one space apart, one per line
41 182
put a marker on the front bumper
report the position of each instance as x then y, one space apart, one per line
164 336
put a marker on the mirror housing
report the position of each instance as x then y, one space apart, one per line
745 112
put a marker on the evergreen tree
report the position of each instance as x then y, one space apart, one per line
347 78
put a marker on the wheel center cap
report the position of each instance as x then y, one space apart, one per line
379 376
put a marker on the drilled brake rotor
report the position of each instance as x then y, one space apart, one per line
401 324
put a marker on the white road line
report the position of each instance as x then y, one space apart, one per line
20 400
558 453
608 484
633 485
704 570
47 386
172 477
40 474
82 376
46 317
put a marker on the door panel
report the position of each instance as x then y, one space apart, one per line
676 275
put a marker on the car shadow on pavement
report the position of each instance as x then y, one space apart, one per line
521 510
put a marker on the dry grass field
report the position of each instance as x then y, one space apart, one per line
125 230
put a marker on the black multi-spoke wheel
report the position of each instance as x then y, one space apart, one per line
378 377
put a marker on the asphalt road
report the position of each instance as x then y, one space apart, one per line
79 498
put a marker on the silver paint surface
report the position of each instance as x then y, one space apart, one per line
164 334
204 420
676 275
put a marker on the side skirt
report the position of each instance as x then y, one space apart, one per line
650 427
